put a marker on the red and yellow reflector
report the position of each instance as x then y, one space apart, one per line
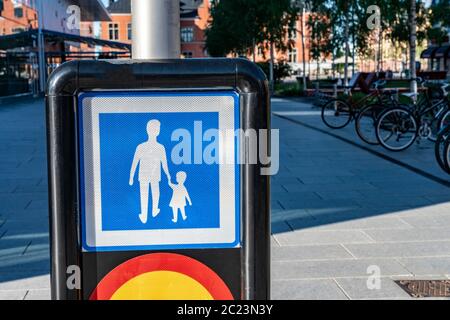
162 276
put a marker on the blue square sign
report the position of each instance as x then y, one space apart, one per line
155 170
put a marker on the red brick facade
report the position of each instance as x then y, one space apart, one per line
17 18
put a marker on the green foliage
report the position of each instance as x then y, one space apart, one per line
440 20
237 26
281 70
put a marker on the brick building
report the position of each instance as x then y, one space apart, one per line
194 20
17 16
293 56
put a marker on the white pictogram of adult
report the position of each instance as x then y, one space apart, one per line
150 156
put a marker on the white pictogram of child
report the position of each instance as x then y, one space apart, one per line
179 197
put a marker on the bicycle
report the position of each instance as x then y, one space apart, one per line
338 113
442 149
398 128
367 118
447 155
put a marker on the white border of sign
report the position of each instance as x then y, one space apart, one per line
93 236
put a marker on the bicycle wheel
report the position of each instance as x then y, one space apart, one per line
444 121
447 155
436 123
366 123
397 129
336 114
439 149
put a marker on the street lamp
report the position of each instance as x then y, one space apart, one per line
156 29
41 46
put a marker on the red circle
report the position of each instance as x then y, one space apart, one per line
162 262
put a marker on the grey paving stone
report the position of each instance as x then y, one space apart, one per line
41 294
317 204
332 195
322 237
330 187
357 289
280 227
384 200
425 221
316 252
307 290
287 270
38 204
361 223
24 282
12 294
295 196
427 266
13 202
273 242
423 234
400 249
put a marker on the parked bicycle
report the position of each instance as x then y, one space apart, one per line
447 155
442 148
397 128
338 113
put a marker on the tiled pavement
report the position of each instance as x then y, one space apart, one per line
24 251
337 210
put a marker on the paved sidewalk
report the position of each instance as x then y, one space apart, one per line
24 250
339 210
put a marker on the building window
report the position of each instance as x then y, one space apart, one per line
113 31
130 31
187 34
187 55
292 56
18 12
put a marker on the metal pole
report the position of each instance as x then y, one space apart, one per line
41 47
156 29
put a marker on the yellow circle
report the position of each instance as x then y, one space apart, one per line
162 285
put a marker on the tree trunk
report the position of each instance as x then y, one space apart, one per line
412 45
354 58
347 49
380 52
272 62
318 69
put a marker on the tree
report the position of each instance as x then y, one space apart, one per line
232 29
440 21
238 25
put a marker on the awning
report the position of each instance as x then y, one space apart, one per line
92 10
27 39
442 52
429 53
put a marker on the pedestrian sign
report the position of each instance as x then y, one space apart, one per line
154 170
158 180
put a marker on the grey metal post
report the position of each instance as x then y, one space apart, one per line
41 47
156 29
